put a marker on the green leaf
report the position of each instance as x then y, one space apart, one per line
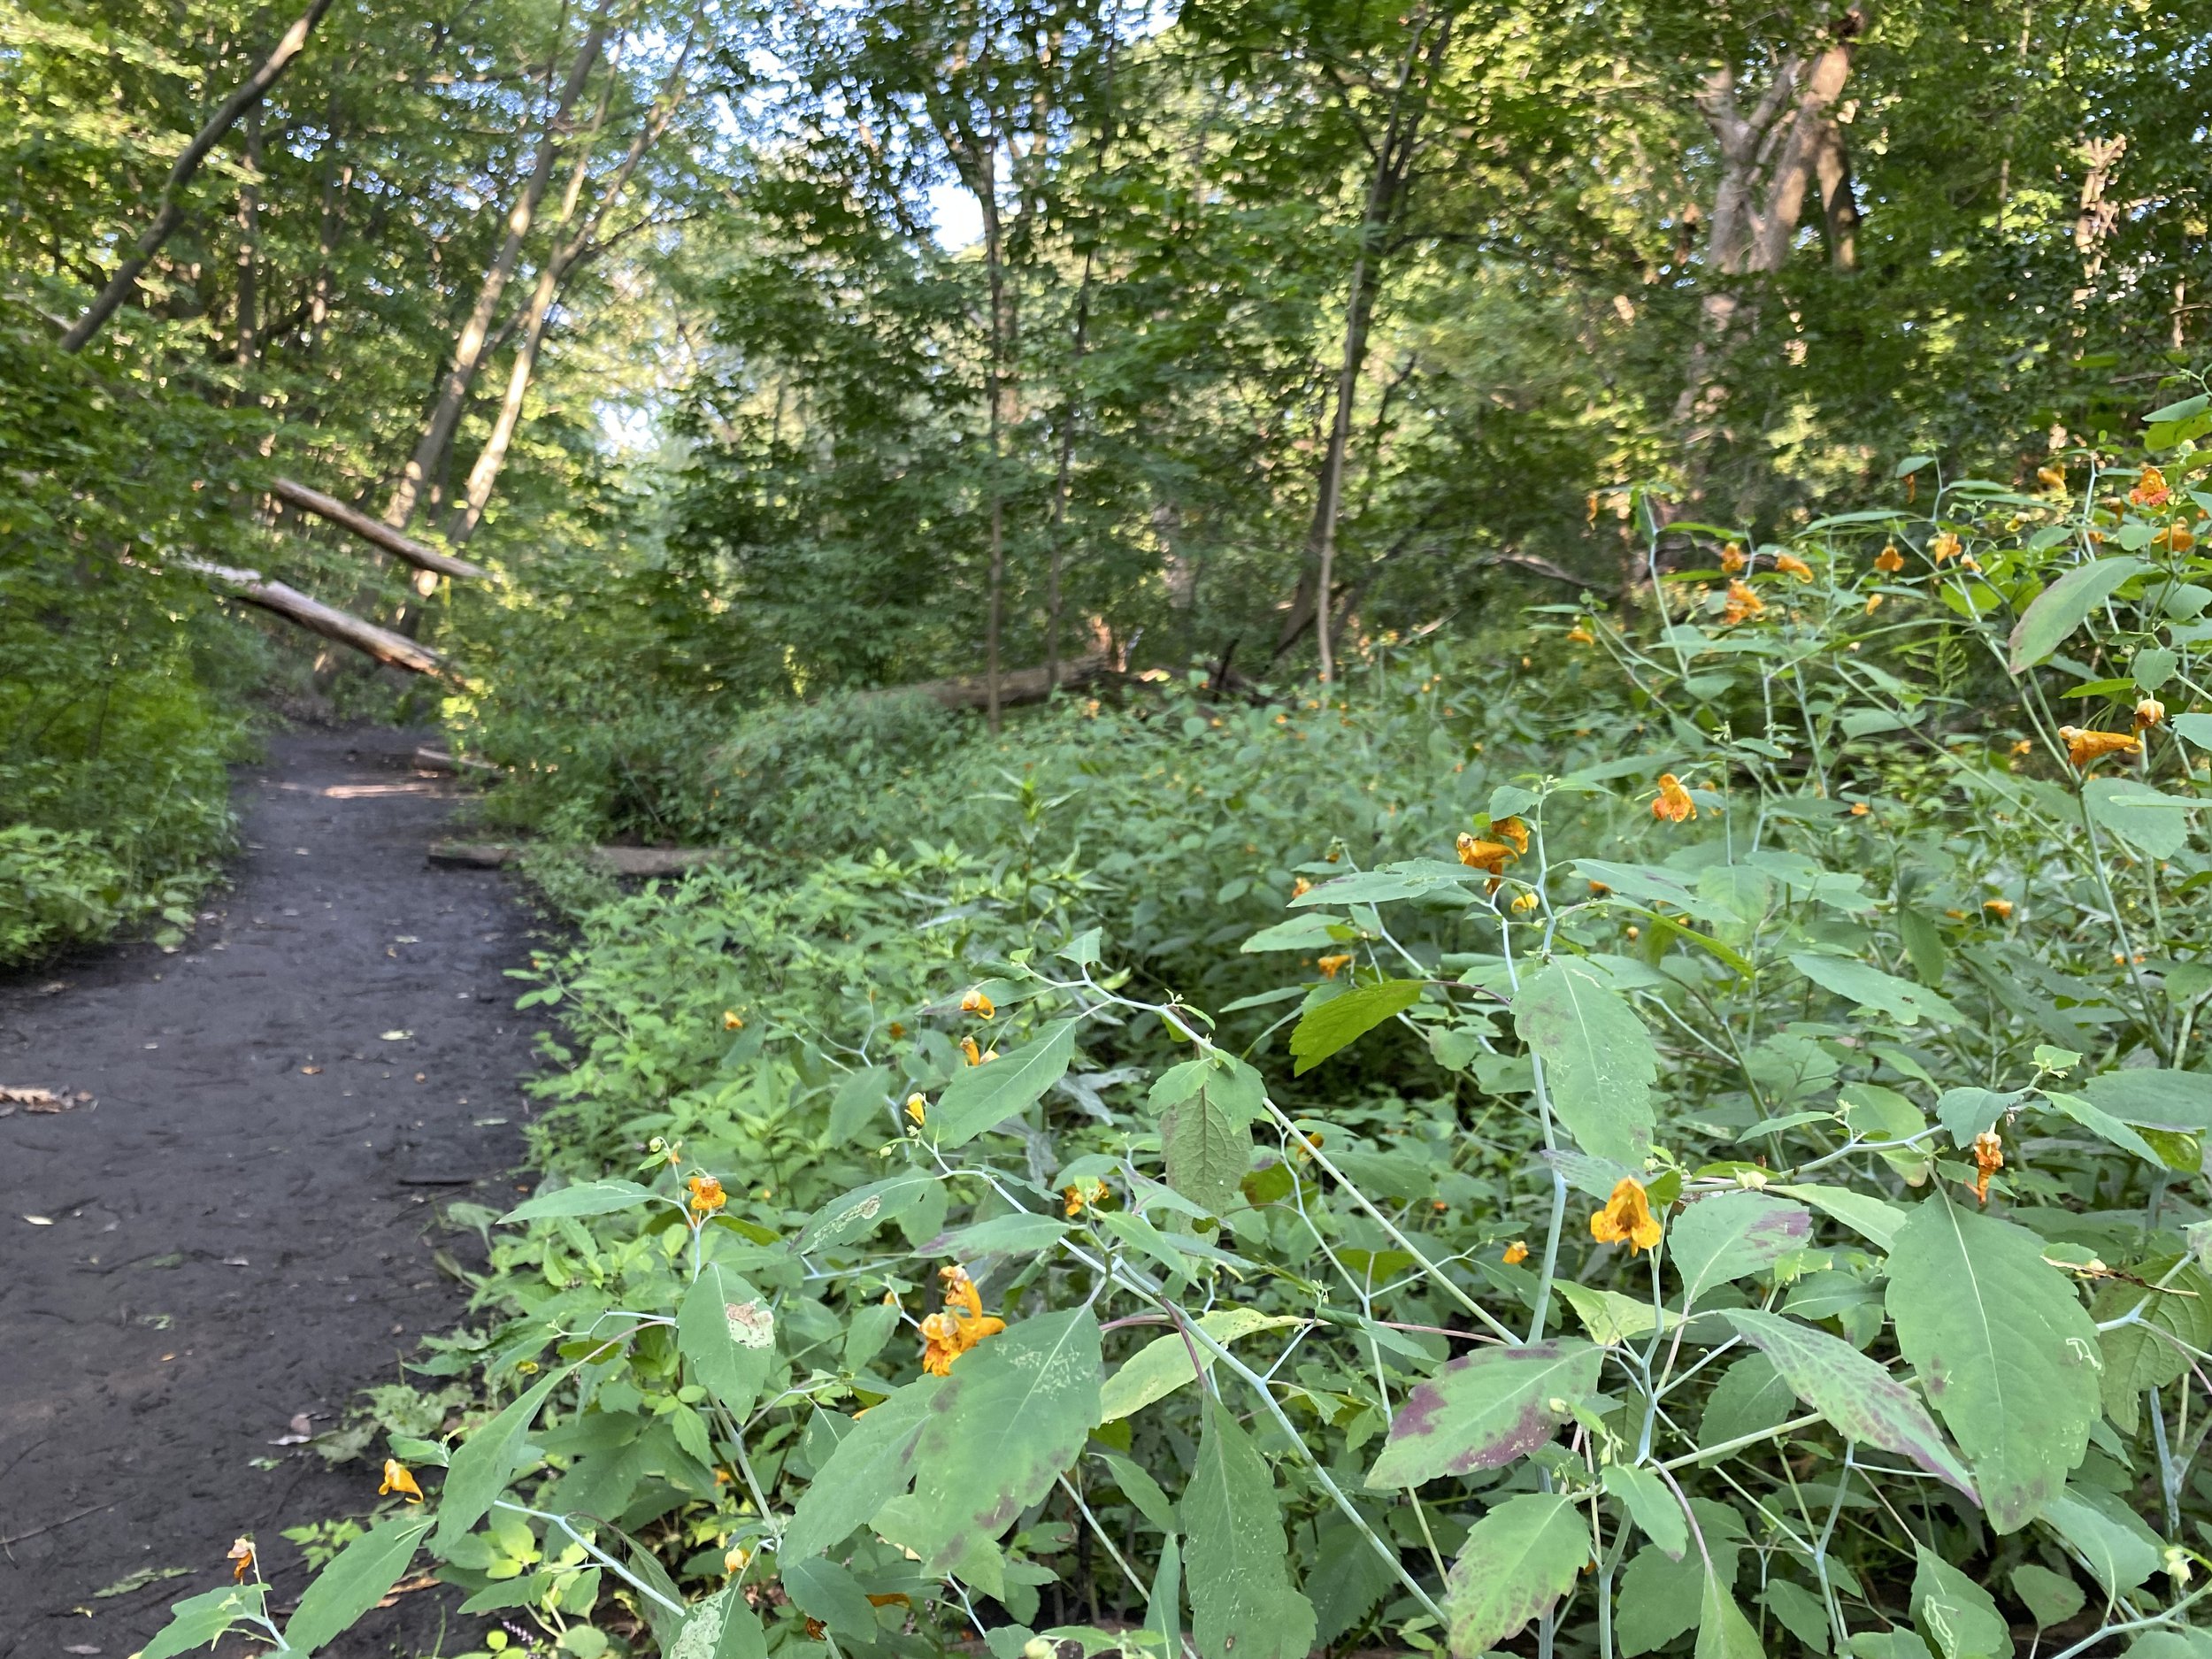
485 1463
1869 1217
1020 1232
1869 987
1662 1598
1731 1235
1956 1615
1308 932
1648 884
871 1465
827 1590
1651 1504
1722 1632
2147 820
1598 1059
1328 1026
727 1334
861 1211
1206 1140
1143 1493
2146 1094
982 1097
2136 1356
2051 1598
720 1627
198 1620
1518 1560
2063 606
1235 1555
1856 1395
2120 1551
1012 1414
2006 1353
2106 1126
1163 1365
589 1198
1415 878
2181 410
358 1576
1485 1409
859 1101
1609 1317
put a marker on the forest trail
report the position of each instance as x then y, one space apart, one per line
239 1227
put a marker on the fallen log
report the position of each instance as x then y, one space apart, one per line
317 618
370 530
428 759
1023 684
615 860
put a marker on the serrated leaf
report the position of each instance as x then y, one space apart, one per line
2004 1351
2051 1598
2136 1357
587 1198
1327 1027
2103 1124
1609 1317
485 1463
827 1590
859 1101
1651 1504
1163 1364
2121 1552
1869 987
861 1211
1207 1148
1598 1059
727 1334
196 1621
1485 1409
1308 932
2147 1094
2063 606
1730 1235
1722 1632
982 1097
2148 819
358 1576
1234 1554
1516 1562
1012 1414
1956 1615
873 1463
1861 1399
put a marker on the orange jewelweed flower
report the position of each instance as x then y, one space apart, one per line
1989 1158
1673 802
731 1020
1083 1196
1524 902
1513 830
1873 604
1742 602
916 1109
973 1053
1889 561
1790 565
1300 887
2175 536
1482 855
1331 966
1626 1218
1580 635
963 1324
1731 558
2150 490
1946 546
2084 747
2051 477
396 1478
707 1196
976 1003
2001 909
240 1552
1859 808
2148 713
1517 1253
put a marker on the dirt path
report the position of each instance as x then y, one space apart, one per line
240 1227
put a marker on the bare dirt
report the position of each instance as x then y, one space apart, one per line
239 1226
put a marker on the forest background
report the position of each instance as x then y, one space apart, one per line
1383 423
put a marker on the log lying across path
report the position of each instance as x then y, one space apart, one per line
399 546
317 618
618 861
1018 685
428 760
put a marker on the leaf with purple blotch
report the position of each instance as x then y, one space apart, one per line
1485 1409
1730 1235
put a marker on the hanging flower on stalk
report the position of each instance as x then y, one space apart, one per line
399 1478
1989 1158
2085 747
1889 561
242 1552
707 1196
2150 490
1673 802
2148 713
1477 854
1627 1218
961 1324
1743 602
1790 565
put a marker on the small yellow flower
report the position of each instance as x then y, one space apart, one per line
707 1195
1989 1158
1673 802
735 1560
1517 1253
2085 747
976 1003
1626 1218
1873 604
2023 747
1731 558
1580 635
2148 713
1743 602
240 1552
1859 808
1513 830
397 1479
1300 887
1790 565
1523 902
2051 478
2001 909
2177 537
2150 490
1482 855
1946 546
1081 1196
732 1020
963 1324
1331 966
969 1049
1889 561
916 1109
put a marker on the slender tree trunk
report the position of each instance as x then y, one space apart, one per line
1062 470
552 274
249 249
428 460
995 392
171 213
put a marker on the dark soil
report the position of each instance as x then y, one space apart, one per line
239 1227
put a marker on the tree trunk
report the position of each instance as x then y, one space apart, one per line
171 213
1063 468
381 535
249 249
333 623
468 349
552 274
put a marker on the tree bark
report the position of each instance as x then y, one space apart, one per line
171 213
381 535
552 274
468 349
249 249
317 617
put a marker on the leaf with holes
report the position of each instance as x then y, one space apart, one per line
1234 1557
727 1334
